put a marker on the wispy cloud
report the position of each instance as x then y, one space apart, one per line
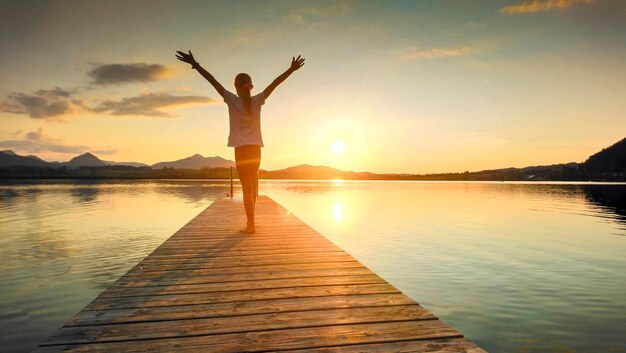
434 53
532 6
125 73
38 141
50 104
58 104
149 104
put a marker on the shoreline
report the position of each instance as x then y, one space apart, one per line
535 182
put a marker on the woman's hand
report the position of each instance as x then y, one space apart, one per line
296 63
188 58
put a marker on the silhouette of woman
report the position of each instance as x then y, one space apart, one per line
244 112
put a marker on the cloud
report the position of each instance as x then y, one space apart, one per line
434 53
36 135
57 104
42 104
38 142
124 73
149 104
532 6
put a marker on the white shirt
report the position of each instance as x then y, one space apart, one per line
244 129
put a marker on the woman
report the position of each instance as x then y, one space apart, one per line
244 112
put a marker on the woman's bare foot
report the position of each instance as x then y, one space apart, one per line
249 229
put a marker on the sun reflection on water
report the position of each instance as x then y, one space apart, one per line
337 211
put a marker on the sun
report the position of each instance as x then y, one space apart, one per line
338 147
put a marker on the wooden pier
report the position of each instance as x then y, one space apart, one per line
210 288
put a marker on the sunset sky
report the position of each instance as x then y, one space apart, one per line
415 86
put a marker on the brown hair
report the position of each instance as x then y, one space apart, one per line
240 80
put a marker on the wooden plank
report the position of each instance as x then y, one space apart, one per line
272 340
234 324
236 238
212 257
246 249
220 263
431 346
101 303
136 271
88 317
285 288
180 278
117 291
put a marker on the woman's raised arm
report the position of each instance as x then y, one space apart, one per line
296 63
189 59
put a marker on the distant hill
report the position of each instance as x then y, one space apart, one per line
196 162
35 157
306 171
85 160
9 158
130 164
610 160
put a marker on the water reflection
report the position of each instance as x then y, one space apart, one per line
610 199
84 195
337 211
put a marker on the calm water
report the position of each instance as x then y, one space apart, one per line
516 267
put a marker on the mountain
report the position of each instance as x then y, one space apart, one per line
306 171
35 157
8 158
85 160
610 160
130 164
196 162
90 160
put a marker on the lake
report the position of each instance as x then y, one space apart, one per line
515 267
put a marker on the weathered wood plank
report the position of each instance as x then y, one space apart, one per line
220 263
271 340
234 324
245 269
182 278
254 258
447 345
87 317
102 303
246 249
116 291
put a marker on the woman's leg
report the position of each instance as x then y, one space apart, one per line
254 174
248 159
245 178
